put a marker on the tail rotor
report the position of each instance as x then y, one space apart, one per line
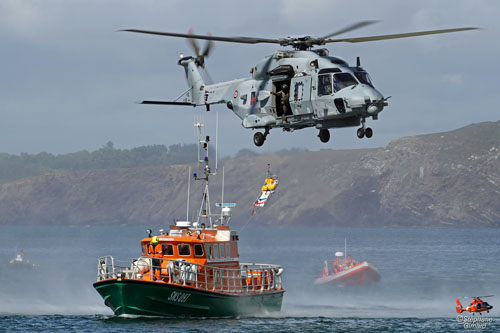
200 56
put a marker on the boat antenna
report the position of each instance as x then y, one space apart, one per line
216 137
345 248
189 185
222 197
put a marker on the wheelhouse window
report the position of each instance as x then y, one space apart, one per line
208 249
363 77
325 84
228 250
168 249
198 250
216 251
343 80
221 249
184 249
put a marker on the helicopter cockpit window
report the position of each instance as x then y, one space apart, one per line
338 61
325 84
363 77
343 80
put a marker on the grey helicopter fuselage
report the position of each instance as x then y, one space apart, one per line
292 89
324 92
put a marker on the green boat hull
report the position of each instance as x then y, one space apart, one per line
145 298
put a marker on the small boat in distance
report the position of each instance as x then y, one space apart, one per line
348 272
20 261
193 270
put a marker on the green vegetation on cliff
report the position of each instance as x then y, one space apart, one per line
14 167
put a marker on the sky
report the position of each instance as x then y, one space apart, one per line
69 80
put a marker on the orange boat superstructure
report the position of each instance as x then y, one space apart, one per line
200 257
348 272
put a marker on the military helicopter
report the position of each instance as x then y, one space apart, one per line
477 305
291 89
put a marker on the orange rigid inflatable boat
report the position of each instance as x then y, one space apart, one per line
348 272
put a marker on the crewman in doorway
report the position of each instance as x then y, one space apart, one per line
284 94
156 252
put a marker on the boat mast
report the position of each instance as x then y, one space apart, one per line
204 168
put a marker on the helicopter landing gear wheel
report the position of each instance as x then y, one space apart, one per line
361 133
324 135
258 139
368 132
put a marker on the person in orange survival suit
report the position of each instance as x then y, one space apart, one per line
155 250
335 266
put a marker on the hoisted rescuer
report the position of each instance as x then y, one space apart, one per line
156 252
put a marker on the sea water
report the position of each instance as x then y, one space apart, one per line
423 271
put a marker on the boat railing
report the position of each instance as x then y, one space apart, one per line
248 277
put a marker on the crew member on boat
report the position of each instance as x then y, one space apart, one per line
156 252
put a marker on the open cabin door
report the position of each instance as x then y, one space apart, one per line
300 95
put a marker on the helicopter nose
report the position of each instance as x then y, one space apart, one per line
374 101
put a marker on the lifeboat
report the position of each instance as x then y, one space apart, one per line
348 272
191 270
20 262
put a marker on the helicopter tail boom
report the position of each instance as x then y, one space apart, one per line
195 94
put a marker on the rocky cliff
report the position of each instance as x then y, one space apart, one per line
444 179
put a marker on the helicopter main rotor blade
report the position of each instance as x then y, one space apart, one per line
244 40
477 296
351 27
404 35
